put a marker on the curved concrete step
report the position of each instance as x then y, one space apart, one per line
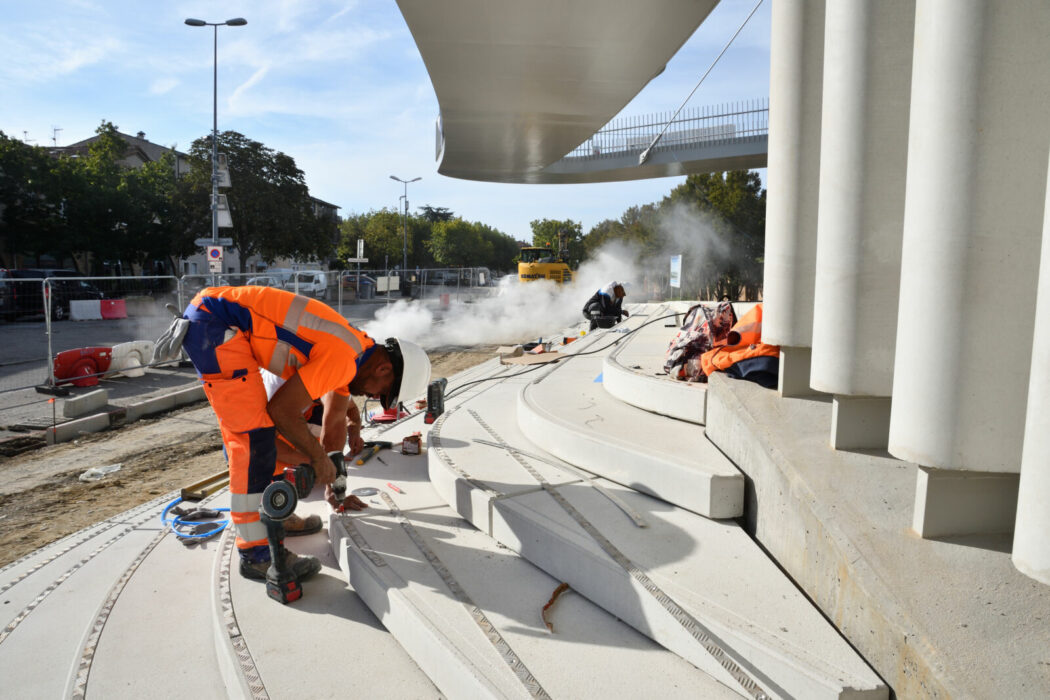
681 566
633 371
121 609
91 607
470 612
568 413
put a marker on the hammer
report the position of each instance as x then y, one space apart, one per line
371 447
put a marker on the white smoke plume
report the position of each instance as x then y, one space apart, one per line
521 312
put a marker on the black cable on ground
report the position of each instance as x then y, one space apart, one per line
452 392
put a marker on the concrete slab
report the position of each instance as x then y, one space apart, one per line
328 641
633 371
936 618
766 627
438 584
567 413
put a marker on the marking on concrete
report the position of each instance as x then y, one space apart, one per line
248 669
87 654
631 513
78 538
691 625
24 613
491 633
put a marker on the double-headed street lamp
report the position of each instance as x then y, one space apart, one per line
404 245
235 22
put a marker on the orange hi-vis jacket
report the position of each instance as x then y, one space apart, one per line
744 341
288 334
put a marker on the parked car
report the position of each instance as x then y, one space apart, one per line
22 292
265 281
310 283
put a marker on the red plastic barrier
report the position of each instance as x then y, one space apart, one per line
113 308
78 366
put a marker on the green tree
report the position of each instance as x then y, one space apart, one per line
32 218
458 242
545 232
735 205
273 215
382 234
435 214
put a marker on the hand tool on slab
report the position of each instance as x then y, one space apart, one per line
205 487
370 449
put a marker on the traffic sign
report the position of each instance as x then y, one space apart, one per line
207 242
357 260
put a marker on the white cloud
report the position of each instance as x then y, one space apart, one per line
162 86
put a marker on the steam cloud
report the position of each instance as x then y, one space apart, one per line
523 312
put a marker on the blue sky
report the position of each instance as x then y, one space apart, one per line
339 86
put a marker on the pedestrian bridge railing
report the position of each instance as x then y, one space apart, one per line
700 126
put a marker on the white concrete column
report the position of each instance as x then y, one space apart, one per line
795 70
977 154
863 161
1031 552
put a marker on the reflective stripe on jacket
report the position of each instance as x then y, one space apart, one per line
745 340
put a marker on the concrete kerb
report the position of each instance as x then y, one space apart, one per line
70 430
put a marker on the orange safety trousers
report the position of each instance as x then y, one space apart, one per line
238 397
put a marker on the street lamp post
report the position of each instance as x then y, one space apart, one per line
235 22
404 245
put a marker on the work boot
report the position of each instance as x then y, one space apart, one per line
295 526
302 567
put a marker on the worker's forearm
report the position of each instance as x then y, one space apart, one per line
296 430
333 425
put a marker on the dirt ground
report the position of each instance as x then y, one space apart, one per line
42 498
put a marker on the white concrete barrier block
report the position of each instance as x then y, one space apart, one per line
85 310
76 406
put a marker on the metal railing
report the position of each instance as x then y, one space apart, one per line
699 126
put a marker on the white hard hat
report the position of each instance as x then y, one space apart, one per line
411 371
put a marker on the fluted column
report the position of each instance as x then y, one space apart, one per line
796 66
976 183
1031 551
863 161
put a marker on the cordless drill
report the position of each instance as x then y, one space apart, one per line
339 485
278 502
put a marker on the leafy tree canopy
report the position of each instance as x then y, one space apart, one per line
545 232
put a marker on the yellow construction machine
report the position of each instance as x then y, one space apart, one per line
544 263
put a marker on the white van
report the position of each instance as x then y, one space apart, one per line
311 283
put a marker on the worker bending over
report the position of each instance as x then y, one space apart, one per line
605 307
231 332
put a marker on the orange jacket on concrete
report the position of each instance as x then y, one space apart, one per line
744 341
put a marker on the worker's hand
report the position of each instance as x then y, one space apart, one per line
324 470
351 502
625 314
355 440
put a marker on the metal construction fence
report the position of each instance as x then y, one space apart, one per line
43 317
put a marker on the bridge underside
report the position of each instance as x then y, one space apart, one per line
519 85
